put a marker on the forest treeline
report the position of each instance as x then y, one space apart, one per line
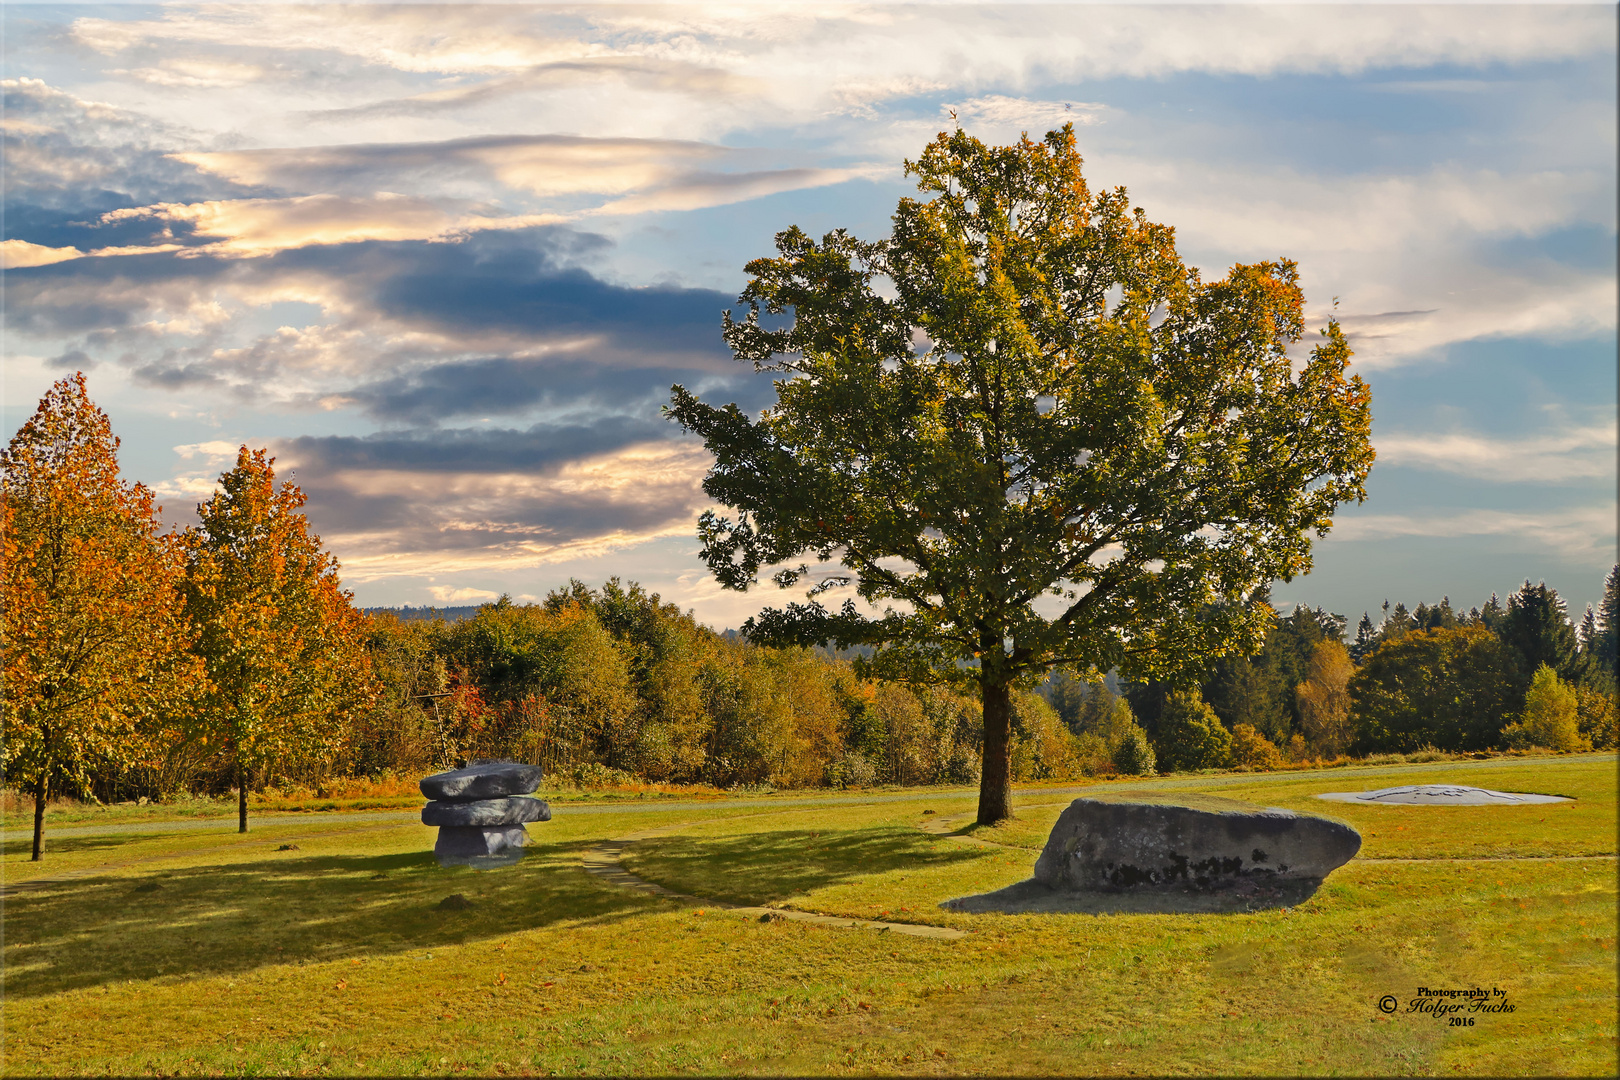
226 655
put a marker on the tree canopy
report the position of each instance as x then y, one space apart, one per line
1028 434
279 636
94 636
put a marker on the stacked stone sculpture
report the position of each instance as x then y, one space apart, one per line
481 810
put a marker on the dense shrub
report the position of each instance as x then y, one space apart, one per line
1549 718
1190 735
1252 750
1450 688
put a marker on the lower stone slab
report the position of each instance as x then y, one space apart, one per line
480 848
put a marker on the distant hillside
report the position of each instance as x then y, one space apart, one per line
407 613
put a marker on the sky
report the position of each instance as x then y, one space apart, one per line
446 261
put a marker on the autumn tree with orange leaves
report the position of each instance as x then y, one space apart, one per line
280 638
95 638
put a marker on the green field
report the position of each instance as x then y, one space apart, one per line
202 951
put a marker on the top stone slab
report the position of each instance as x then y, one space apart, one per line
1440 795
482 780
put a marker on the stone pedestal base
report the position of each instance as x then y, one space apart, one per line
480 848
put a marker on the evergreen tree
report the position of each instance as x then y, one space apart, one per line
1190 735
1397 625
1537 628
1606 649
1366 639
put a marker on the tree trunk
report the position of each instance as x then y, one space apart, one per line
40 794
995 780
241 798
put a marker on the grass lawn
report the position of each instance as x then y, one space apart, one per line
208 952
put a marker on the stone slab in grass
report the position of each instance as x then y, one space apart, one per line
515 810
1441 795
1167 853
482 780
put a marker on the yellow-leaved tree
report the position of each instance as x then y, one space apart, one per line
1324 698
95 638
281 640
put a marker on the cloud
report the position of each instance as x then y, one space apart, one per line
1575 453
213 452
383 517
544 165
1455 231
999 110
1580 534
418 39
448 594
15 254
196 74
250 227
65 151
639 73
407 329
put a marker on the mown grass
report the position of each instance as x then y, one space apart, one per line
335 958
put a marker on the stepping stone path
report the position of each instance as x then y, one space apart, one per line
481 810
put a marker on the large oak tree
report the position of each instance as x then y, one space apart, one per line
1029 435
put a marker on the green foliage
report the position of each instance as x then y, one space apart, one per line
1190 735
1133 753
1537 629
1550 713
1595 716
1044 382
1450 689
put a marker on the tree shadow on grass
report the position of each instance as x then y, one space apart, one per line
234 917
764 867
17 846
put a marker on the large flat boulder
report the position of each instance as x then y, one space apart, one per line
1104 845
486 812
482 780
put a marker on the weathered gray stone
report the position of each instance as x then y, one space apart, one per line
467 845
1110 845
482 780
486 812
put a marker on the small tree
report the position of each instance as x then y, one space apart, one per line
1191 736
1550 715
283 644
1023 398
1324 698
93 628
